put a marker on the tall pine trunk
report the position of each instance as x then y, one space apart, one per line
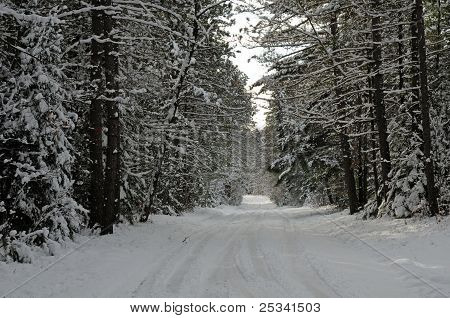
96 117
415 76
374 164
400 52
425 111
373 141
112 169
378 97
349 174
362 171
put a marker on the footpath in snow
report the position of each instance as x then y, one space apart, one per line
254 250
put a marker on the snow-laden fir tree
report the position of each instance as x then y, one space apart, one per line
37 154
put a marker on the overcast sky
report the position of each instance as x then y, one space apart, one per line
251 67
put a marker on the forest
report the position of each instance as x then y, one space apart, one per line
113 111
360 107
116 110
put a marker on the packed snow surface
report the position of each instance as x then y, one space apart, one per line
254 250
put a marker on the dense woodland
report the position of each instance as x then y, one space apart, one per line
114 110
361 103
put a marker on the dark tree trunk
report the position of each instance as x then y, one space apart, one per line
349 174
373 141
432 194
378 98
362 159
96 117
112 170
362 173
328 191
401 79
374 165
415 76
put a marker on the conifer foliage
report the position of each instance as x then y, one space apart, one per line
112 111
116 110
357 87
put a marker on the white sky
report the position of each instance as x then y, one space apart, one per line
250 66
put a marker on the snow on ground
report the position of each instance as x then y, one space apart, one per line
254 250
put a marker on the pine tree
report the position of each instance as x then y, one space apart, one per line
36 130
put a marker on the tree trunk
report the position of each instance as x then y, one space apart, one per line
96 118
349 174
415 76
378 98
401 79
362 172
373 141
112 170
374 165
328 191
432 195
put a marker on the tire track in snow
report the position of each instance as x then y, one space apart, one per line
265 251
251 267
151 278
294 247
167 276
192 268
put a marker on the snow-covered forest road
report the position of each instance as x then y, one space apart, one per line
254 250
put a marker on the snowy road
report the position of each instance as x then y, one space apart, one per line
255 250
